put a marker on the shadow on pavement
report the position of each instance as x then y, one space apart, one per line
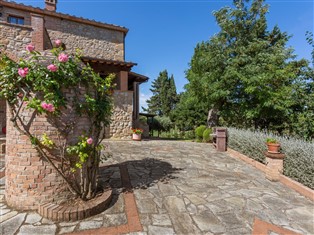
136 174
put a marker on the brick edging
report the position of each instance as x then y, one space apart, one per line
300 188
133 218
261 227
246 159
64 213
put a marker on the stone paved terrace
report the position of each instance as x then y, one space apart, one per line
180 188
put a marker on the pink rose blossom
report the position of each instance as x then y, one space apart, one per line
44 105
30 48
48 107
52 68
63 58
23 72
58 42
89 141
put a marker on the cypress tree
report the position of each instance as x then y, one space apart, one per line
164 95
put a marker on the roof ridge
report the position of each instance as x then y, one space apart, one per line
63 15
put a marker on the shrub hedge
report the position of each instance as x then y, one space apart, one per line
206 135
199 132
299 160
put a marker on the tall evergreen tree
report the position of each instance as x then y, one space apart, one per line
245 71
154 103
172 93
164 95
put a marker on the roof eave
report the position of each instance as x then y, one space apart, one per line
108 62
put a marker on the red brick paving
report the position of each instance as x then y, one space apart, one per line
263 228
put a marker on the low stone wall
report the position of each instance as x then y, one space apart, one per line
121 124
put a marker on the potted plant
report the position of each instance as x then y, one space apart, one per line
273 145
137 134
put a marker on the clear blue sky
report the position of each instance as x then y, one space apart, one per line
163 34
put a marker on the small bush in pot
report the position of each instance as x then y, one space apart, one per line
137 134
273 145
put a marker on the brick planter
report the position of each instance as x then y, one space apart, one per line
30 179
68 213
274 165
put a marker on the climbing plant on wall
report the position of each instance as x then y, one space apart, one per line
59 87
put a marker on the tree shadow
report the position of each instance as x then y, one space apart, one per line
136 174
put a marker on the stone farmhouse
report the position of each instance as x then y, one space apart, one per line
102 46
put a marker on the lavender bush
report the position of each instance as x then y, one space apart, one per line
299 160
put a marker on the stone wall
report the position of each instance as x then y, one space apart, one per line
14 38
122 115
93 41
2 114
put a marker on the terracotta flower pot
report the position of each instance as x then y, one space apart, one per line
137 137
273 148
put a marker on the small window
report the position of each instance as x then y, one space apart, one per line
16 20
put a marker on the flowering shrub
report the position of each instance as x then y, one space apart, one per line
52 68
63 58
30 48
23 72
136 131
58 43
82 149
38 84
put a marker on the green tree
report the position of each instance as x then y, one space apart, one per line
164 96
310 40
172 93
245 71
302 119
189 112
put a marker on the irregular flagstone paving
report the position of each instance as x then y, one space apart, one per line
180 188
189 188
31 223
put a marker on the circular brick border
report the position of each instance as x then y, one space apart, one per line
64 213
